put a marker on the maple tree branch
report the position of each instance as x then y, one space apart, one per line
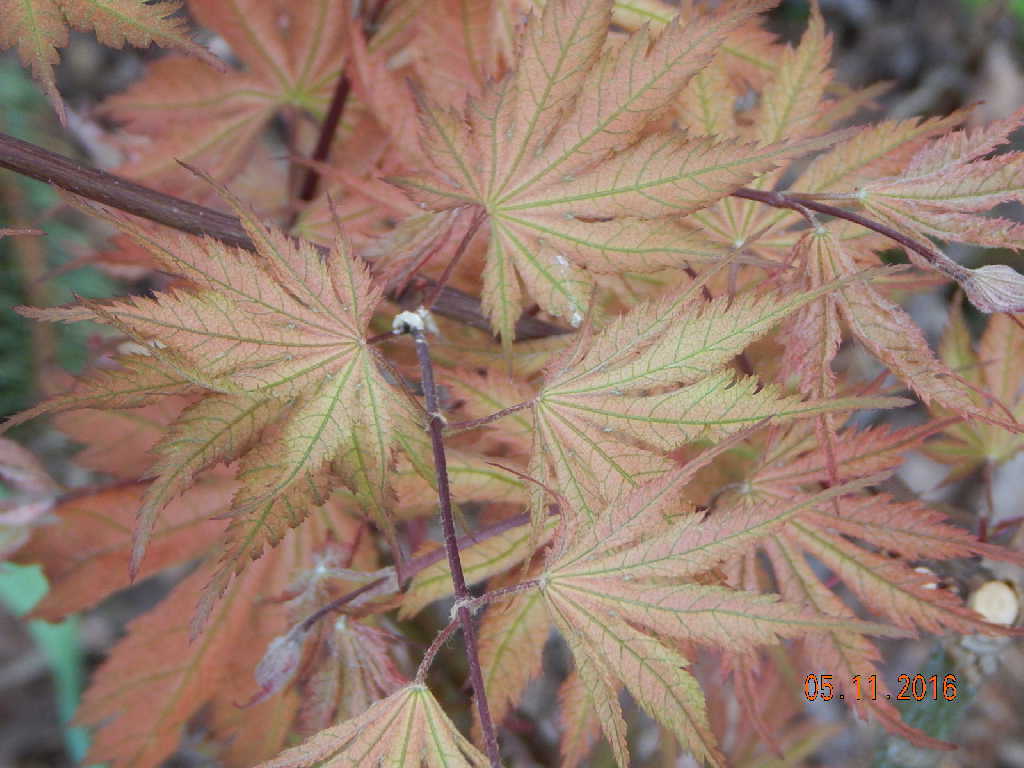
307 623
436 427
106 188
328 129
335 111
38 163
471 603
803 204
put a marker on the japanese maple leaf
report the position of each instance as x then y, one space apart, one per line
156 679
273 347
555 159
37 28
894 169
872 544
640 573
290 56
940 194
885 329
627 594
659 377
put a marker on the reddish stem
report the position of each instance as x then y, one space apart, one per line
451 544
802 205
326 138
335 111
116 192
337 603
428 657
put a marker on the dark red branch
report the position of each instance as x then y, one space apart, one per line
451 545
116 192
803 204
327 132
335 111
130 197
338 603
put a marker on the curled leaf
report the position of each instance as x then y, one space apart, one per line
995 288
279 664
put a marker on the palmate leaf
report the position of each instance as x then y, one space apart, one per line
274 343
156 679
37 28
619 594
553 155
885 329
870 543
653 380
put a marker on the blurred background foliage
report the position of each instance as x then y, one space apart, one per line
33 270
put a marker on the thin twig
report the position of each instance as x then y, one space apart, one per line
337 603
802 205
499 594
472 603
329 127
428 657
138 200
412 566
465 616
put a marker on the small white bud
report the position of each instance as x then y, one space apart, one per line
279 664
407 321
428 321
131 348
